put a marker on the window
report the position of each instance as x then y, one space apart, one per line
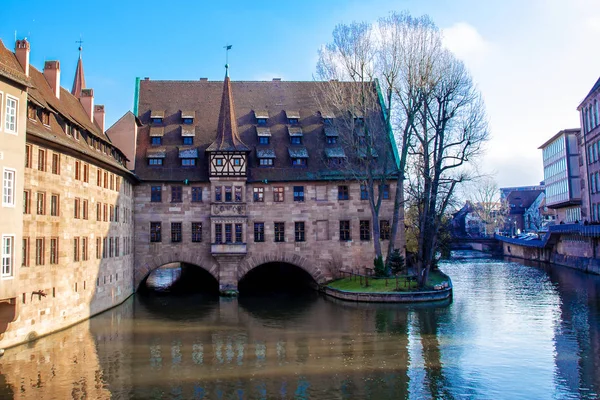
54 250
345 230
25 251
111 247
188 121
259 231
56 164
196 232
365 230
117 241
384 229
299 162
39 251
99 177
259 194
343 193
196 194
98 248
156 194
10 123
331 139
238 233
156 140
265 162
28 156
298 193
278 195
155 161
112 182
188 140
218 193
84 213
218 233
76 249
227 194
8 188
385 191
86 173
31 110
237 193
26 202
228 233
76 207
296 139
299 231
104 248
41 203
364 194
175 231
98 211
155 235
280 231
54 205
77 170
263 140
112 213
41 160
261 121
219 161
8 245
188 162
156 120
176 194
84 254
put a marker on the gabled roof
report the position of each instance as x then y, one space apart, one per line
227 131
594 89
11 68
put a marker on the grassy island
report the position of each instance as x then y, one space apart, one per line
379 285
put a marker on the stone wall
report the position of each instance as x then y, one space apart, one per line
321 254
58 292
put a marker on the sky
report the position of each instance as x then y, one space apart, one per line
533 60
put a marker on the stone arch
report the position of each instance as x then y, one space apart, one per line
151 263
314 269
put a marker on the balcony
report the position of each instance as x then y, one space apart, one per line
228 248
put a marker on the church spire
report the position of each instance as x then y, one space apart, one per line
227 133
79 81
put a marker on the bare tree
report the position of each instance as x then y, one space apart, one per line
451 130
487 205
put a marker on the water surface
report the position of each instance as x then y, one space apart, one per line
512 332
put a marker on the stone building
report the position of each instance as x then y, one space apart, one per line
230 187
75 254
590 143
13 106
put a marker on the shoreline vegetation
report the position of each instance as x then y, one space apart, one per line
388 285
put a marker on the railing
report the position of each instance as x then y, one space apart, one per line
407 279
584 230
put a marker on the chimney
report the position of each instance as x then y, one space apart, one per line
99 116
52 75
87 101
22 53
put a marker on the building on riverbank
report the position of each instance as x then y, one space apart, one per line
236 175
589 111
75 200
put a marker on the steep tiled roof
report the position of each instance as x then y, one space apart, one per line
272 98
594 89
79 81
10 67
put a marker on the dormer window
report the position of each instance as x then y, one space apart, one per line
188 156
261 116
187 117
156 134
295 133
31 111
293 117
157 116
299 156
264 135
156 156
46 117
331 134
327 117
265 157
156 141
335 156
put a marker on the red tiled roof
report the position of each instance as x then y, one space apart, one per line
10 67
206 97
79 81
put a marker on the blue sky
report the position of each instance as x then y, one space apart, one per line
533 60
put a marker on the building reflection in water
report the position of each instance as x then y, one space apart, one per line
303 347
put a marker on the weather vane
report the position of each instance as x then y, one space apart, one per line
80 42
227 48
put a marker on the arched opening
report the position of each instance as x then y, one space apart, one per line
179 279
276 278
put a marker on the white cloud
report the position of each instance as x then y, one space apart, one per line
593 24
466 42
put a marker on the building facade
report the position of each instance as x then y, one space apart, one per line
562 177
75 252
590 128
232 187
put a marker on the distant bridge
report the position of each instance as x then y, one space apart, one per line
486 244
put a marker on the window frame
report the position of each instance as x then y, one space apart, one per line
196 232
365 230
156 195
176 232
196 194
299 231
278 194
8 187
259 232
299 193
8 258
155 232
279 232
54 205
343 192
258 194
345 231
176 194
8 116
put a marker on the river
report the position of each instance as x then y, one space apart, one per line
512 331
